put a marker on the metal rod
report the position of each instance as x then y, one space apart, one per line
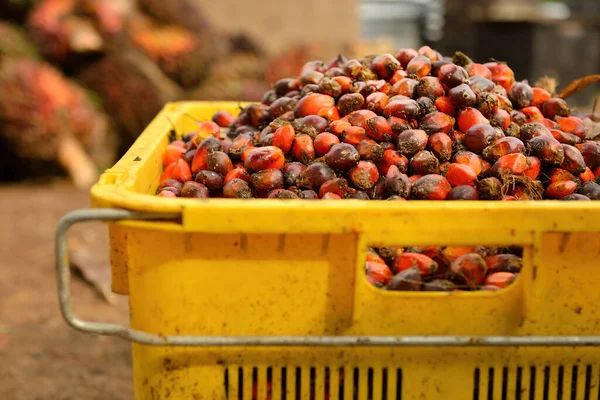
64 279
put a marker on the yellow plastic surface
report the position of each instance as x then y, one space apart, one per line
272 267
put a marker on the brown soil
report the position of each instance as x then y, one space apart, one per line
40 356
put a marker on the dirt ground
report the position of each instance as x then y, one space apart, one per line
40 356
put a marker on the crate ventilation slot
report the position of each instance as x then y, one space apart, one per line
562 382
312 383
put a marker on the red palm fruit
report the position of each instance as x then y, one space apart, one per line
534 167
576 196
268 157
426 105
597 172
378 191
436 122
329 87
195 190
485 166
360 117
313 104
311 125
373 255
223 118
559 175
505 104
330 113
458 140
342 157
470 159
291 171
488 104
440 145
480 85
392 157
311 77
178 143
376 102
463 192
166 193
555 106
388 145
378 274
586 176
469 117
418 67
405 87
281 106
460 174
338 186
572 125
591 190
397 76
590 152
489 189
266 180
303 149
475 69
424 162
378 128
353 135
429 86
399 125
397 183
405 55
181 171
452 75
520 95
309 195
325 141
462 96
501 74
500 279
566 138
431 187
518 117
352 68
212 181
344 82
479 136
502 147
208 128
540 96
314 176
407 280
237 173
384 65
363 175
380 85
369 150
547 149
405 261
514 164
337 127
225 145
533 129
206 147
237 189
504 263
499 90
469 268
402 108
532 113
240 144
428 52
451 253
548 123
444 167
170 184
219 162
558 190
573 161
172 153
444 104
284 137
285 85
282 194
411 142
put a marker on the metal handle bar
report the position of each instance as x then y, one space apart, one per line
108 329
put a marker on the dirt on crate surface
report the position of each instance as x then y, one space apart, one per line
41 357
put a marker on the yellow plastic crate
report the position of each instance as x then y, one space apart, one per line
273 277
